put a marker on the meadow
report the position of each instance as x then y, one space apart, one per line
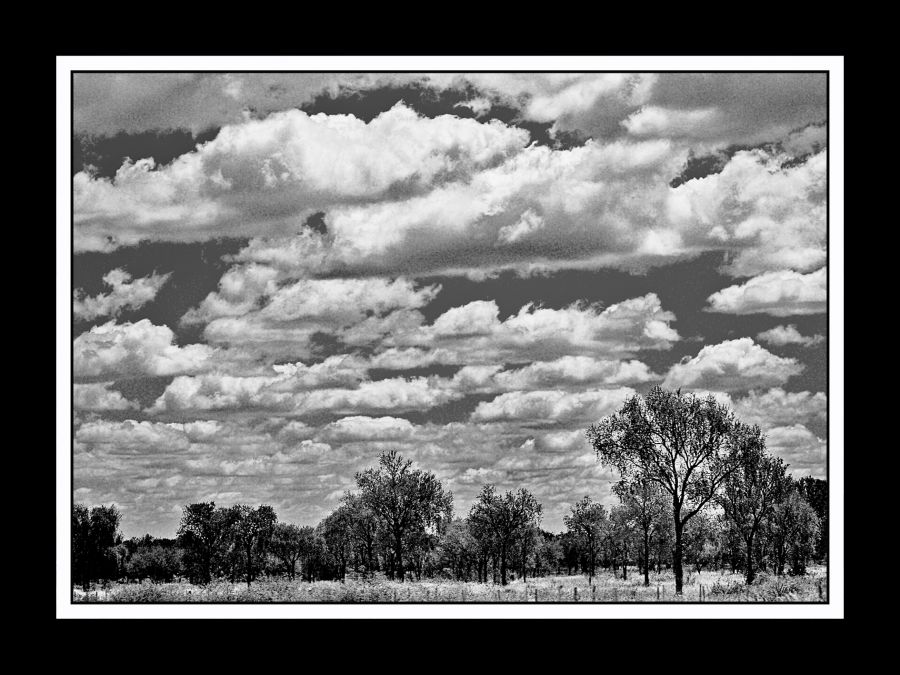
708 586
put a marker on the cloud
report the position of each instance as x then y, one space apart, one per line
770 214
98 396
788 335
737 108
265 174
125 294
749 107
339 302
361 428
287 394
132 436
574 371
553 405
776 407
657 121
133 350
732 365
106 103
805 452
256 305
475 333
456 195
782 293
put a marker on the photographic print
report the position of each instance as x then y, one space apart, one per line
449 337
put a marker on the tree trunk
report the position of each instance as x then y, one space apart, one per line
677 554
751 573
398 553
248 567
646 558
591 571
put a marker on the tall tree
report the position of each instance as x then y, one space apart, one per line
646 502
794 528
815 492
587 522
701 538
95 533
288 545
251 530
363 530
336 529
203 532
406 501
458 549
503 520
623 527
81 545
687 444
749 495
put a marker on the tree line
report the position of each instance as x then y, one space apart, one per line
697 488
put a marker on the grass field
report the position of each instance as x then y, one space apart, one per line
716 587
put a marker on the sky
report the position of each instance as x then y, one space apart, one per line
278 276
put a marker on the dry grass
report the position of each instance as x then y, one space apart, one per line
716 587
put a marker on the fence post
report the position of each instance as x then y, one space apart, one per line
575 593
657 592
819 584
395 595
701 592
594 593
559 594
536 595
463 593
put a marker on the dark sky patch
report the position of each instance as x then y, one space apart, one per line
701 166
105 154
142 390
454 411
196 269
316 223
438 370
430 101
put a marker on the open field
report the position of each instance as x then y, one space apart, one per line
716 587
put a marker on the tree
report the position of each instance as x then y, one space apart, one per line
336 530
815 492
794 529
363 530
645 501
701 538
686 444
587 522
458 549
622 528
153 559
406 501
288 545
503 520
203 531
251 530
81 545
749 495
94 533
